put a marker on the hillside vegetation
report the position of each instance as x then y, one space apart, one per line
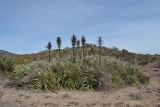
86 74
90 50
85 67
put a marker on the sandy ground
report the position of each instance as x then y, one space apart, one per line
144 96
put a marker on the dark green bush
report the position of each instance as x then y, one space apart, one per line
6 65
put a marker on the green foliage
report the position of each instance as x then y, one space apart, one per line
6 65
82 75
90 49
56 76
123 74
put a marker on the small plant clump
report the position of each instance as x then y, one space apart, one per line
6 65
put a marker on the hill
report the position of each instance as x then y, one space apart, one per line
6 53
90 50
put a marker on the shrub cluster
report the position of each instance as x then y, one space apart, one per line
123 74
56 76
82 75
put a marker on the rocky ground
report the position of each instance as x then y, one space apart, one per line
143 96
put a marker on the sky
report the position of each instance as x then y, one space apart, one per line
26 26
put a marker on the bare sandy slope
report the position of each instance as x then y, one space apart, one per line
144 96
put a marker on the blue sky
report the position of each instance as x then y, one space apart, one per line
26 26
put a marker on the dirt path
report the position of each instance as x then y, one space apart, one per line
144 96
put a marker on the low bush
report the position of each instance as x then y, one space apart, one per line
123 74
56 76
6 65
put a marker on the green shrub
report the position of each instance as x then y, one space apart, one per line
123 74
56 76
117 81
83 75
6 65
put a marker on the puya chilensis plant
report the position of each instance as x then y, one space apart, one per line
6 65
59 43
49 47
92 49
73 41
78 46
100 43
79 76
83 41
